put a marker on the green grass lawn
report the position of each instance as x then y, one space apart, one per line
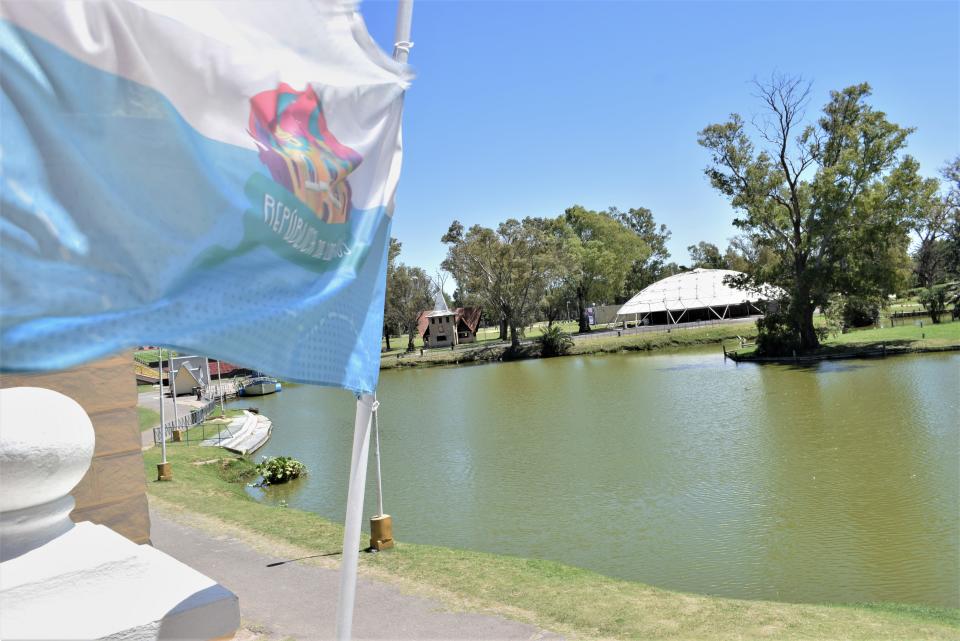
150 355
572 601
149 419
910 331
907 337
230 413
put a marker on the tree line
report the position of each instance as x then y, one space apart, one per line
832 212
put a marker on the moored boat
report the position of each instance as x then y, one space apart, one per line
260 386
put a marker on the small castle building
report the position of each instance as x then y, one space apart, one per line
442 327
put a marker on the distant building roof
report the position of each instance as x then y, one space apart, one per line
223 368
470 316
692 289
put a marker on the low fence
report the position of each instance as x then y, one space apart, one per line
947 314
617 329
196 416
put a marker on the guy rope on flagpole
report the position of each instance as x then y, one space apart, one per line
376 457
366 406
381 525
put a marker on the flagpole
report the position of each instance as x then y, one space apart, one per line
163 429
366 405
220 385
401 36
172 380
208 383
164 472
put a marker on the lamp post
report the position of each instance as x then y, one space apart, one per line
173 390
220 385
164 472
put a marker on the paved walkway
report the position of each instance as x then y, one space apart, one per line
185 403
298 600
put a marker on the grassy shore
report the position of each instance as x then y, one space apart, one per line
150 355
208 488
907 338
601 342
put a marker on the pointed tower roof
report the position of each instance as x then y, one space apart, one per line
439 305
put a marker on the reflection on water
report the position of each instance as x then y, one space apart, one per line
837 482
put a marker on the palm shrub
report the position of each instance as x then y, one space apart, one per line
777 334
862 311
934 300
280 469
554 341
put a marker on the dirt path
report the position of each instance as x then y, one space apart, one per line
298 601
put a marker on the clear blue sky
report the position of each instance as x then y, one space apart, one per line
525 108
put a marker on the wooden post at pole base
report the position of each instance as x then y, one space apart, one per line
381 532
164 472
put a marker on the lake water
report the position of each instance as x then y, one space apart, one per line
838 482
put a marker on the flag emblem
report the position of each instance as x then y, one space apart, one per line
301 153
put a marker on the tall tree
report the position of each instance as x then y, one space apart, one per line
929 220
951 178
601 250
409 292
555 303
644 272
828 198
508 268
744 254
393 252
706 255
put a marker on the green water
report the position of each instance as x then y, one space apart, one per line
833 483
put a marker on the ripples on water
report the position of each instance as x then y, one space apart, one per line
830 483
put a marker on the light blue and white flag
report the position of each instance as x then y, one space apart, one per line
213 176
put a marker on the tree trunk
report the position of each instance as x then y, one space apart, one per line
386 335
582 312
808 333
803 305
503 329
410 346
514 336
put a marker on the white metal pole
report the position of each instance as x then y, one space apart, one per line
351 531
366 406
401 36
376 455
173 390
208 383
220 385
163 429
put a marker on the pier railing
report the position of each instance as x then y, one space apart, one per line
196 416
